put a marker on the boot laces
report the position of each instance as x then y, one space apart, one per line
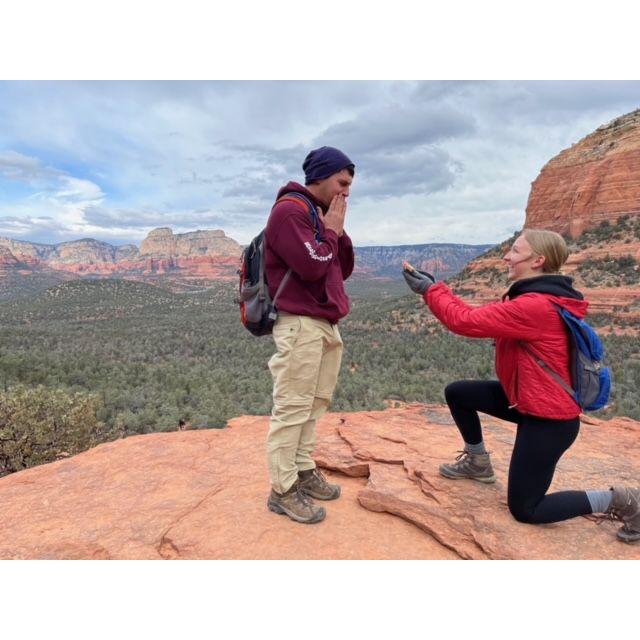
318 474
599 518
462 460
302 497
611 514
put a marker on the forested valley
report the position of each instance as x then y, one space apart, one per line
129 358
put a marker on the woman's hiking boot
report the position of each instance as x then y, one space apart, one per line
296 504
315 485
475 466
625 507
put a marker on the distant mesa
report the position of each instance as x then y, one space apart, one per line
160 242
163 243
126 252
202 254
6 257
87 251
442 259
27 251
193 260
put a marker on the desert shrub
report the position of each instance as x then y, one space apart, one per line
39 425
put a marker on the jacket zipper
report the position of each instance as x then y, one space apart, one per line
512 406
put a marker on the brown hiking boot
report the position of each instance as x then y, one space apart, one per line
475 466
296 505
625 507
314 484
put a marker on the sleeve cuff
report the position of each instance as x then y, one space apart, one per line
331 236
345 240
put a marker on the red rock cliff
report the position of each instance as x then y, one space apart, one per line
594 180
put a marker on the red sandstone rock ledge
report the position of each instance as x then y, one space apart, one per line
202 494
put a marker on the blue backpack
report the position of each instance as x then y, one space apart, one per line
591 380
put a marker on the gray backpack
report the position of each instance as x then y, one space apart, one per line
258 311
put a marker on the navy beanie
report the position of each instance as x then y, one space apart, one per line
324 162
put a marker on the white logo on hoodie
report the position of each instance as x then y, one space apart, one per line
315 256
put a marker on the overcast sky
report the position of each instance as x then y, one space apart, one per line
435 161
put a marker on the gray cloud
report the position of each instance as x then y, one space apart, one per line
385 172
143 219
23 168
571 96
259 182
421 171
549 102
35 229
394 127
257 156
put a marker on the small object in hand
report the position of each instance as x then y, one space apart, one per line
407 266
418 281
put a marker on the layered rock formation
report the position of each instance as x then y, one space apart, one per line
85 251
7 259
162 243
27 252
199 255
594 180
442 260
189 261
188 495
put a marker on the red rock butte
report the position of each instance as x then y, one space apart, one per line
596 179
202 495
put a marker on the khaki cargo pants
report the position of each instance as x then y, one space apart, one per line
305 370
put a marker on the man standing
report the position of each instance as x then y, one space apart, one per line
306 364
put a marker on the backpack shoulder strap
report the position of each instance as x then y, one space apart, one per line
281 287
548 369
292 196
262 279
295 196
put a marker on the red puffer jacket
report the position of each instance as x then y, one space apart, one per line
526 314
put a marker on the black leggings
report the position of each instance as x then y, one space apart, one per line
539 445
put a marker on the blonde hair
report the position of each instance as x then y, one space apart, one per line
549 244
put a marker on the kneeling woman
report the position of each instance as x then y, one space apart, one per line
524 323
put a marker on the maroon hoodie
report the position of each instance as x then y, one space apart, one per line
318 269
